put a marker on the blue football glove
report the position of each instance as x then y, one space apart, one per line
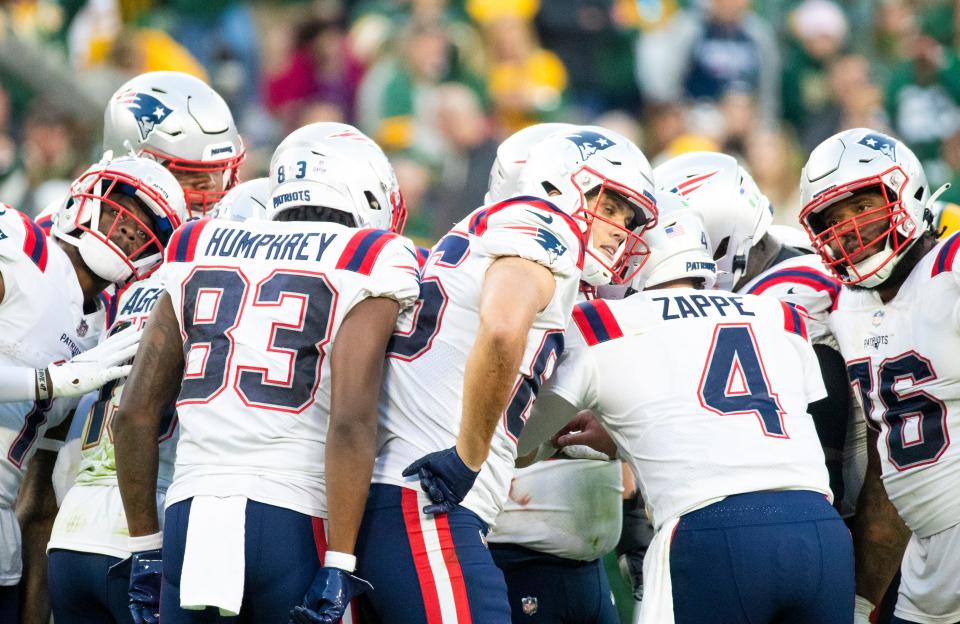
445 479
328 597
144 594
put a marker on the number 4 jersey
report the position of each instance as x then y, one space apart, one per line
704 392
903 359
259 305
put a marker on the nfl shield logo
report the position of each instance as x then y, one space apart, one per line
529 604
82 328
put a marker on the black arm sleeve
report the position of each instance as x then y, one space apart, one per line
830 414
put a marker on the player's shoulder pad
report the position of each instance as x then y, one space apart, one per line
553 229
364 247
20 234
182 246
45 222
796 278
398 253
946 258
596 322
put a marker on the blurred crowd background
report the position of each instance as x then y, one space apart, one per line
440 82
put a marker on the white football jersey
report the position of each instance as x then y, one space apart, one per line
804 281
420 407
903 360
259 304
704 392
569 508
102 528
41 321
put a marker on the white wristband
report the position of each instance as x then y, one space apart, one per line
334 559
141 543
862 608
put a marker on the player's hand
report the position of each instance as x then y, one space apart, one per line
586 430
91 369
144 593
328 597
635 537
631 569
445 479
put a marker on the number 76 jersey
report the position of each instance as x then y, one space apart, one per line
259 305
903 360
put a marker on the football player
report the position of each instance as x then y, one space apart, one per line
751 259
716 430
182 123
88 556
546 542
496 293
867 209
264 329
561 517
110 230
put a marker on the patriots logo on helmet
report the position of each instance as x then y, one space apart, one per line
881 143
146 109
589 142
549 241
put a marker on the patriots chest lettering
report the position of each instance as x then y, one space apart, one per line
700 306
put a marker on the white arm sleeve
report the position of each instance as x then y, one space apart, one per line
17 383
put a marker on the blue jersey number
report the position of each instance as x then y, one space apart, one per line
515 416
32 422
222 291
305 341
210 330
916 421
735 383
428 312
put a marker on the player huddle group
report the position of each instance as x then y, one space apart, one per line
323 422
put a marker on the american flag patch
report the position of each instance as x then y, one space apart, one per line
674 229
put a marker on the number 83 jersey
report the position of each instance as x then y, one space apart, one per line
903 360
259 305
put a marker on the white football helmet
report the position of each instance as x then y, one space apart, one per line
93 218
734 211
851 161
511 155
247 200
182 123
679 246
336 166
570 164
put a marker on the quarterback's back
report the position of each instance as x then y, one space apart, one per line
706 391
259 304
